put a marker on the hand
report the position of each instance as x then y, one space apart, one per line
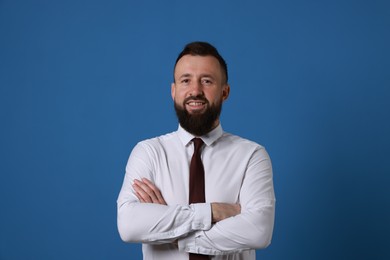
147 192
221 211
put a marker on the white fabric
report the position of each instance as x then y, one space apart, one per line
236 171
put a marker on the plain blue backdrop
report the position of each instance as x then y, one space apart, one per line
81 82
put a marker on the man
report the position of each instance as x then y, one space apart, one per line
228 211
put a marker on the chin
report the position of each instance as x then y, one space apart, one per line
196 112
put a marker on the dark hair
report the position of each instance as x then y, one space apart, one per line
204 49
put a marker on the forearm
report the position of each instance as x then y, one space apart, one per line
141 221
198 216
221 211
154 223
253 227
248 230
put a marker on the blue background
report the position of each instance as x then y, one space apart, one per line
83 81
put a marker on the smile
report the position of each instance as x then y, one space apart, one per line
195 105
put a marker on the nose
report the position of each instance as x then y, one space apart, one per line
196 89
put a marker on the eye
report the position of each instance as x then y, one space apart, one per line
184 81
206 81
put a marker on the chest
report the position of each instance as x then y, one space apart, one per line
224 174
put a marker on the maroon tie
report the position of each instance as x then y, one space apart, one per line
197 194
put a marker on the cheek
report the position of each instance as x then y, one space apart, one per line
178 97
214 97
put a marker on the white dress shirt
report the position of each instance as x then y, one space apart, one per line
236 171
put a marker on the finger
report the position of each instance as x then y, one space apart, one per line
156 191
147 191
151 190
141 194
239 208
139 197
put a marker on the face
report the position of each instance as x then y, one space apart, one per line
199 91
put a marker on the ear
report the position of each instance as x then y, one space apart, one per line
225 91
173 90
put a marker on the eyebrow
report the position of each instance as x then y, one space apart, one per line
186 75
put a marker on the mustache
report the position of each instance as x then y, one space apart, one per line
196 98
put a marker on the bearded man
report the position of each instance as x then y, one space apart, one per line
198 192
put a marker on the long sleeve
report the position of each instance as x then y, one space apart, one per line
237 170
253 227
154 223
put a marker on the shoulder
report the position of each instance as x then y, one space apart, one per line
242 147
154 144
239 141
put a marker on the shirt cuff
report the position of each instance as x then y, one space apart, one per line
187 244
202 216
202 221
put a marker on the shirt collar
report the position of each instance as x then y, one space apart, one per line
208 138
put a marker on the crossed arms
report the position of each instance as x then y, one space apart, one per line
208 228
147 192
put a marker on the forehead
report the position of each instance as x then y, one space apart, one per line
195 65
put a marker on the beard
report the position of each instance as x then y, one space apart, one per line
198 124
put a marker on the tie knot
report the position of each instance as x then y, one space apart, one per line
197 143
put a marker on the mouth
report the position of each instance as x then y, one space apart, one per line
195 106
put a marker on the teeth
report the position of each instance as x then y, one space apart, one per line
195 103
